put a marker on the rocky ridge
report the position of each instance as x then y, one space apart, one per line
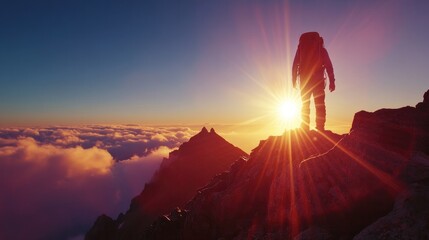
372 183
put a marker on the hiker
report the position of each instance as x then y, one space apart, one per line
310 62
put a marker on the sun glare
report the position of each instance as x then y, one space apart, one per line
288 113
288 110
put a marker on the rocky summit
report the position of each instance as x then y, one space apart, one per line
372 183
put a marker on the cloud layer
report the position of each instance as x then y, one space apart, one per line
55 181
121 141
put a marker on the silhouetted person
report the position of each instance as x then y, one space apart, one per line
310 62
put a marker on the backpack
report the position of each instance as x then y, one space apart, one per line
310 58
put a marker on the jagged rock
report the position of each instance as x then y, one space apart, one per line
167 226
408 220
314 232
404 130
180 176
426 97
392 128
409 217
103 228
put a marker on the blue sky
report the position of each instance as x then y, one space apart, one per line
192 62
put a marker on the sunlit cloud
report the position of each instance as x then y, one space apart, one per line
55 181
121 141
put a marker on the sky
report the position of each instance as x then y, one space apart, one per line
197 62
94 94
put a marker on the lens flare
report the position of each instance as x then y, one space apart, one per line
288 110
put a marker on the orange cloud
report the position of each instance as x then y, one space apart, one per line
52 190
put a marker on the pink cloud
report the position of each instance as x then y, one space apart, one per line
53 190
121 141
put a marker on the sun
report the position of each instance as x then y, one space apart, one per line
288 112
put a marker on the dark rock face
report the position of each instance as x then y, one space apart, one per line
167 226
178 179
426 98
409 218
403 130
104 228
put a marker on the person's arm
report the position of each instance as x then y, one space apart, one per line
329 69
295 66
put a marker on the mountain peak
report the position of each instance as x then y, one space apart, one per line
203 131
187 169
203 136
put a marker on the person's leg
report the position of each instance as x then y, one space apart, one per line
319 101
305 110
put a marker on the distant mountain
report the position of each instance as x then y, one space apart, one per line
173 185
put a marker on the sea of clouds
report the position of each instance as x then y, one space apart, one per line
55 181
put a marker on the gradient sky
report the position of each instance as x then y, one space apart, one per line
196 62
